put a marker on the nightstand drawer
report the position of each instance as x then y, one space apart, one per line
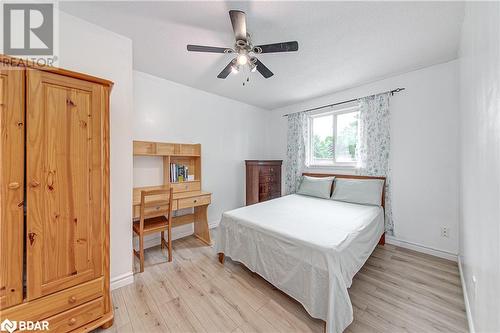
193 202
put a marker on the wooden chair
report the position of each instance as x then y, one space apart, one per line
155 216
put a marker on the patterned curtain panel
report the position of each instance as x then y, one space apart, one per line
296 150
374 145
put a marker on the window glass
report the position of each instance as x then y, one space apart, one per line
322 138
333 138
347 137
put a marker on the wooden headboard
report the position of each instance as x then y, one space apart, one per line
312 174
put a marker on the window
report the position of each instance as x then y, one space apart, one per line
333 137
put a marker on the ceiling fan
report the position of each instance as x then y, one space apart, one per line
244 49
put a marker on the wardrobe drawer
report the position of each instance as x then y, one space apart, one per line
47 306
79 316
186 186
193 202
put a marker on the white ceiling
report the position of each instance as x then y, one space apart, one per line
341 44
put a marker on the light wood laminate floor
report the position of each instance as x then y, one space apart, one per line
397 290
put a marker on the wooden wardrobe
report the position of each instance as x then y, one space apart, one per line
54 197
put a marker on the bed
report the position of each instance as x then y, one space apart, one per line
310 248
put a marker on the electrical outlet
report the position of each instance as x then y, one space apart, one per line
445 232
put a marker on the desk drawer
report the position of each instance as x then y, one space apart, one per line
47 306
153 211
193 202
186 186
79 316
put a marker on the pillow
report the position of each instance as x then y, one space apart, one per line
360 191
320 187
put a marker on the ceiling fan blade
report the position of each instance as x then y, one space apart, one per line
277 47
225 72
211 49
239 22
263 69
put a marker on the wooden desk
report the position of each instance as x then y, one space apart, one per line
198 200
187 194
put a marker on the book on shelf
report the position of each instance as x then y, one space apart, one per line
179 173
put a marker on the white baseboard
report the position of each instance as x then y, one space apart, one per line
420 248
466 297
122 280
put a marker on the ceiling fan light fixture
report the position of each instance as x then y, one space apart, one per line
242 59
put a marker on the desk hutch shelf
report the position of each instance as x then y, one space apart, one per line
187 194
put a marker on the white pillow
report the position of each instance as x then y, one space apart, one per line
320 187
360 191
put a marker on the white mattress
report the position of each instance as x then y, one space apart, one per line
310 248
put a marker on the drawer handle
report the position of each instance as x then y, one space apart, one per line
72 299
72 322
195 200
157 207
272 169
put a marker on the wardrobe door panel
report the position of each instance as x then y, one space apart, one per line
64 152
12 184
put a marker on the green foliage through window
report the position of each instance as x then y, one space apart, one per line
341 145
323 148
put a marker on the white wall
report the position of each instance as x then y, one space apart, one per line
229 133
424 150
90 49
480 162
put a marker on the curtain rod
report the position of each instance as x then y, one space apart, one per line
351 100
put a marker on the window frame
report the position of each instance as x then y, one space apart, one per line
350 108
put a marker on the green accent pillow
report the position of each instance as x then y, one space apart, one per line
360 191
320 187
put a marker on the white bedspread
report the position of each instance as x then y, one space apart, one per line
309 248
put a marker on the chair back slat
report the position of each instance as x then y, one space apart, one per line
161 203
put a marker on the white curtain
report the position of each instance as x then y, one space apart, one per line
374 145
296 150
